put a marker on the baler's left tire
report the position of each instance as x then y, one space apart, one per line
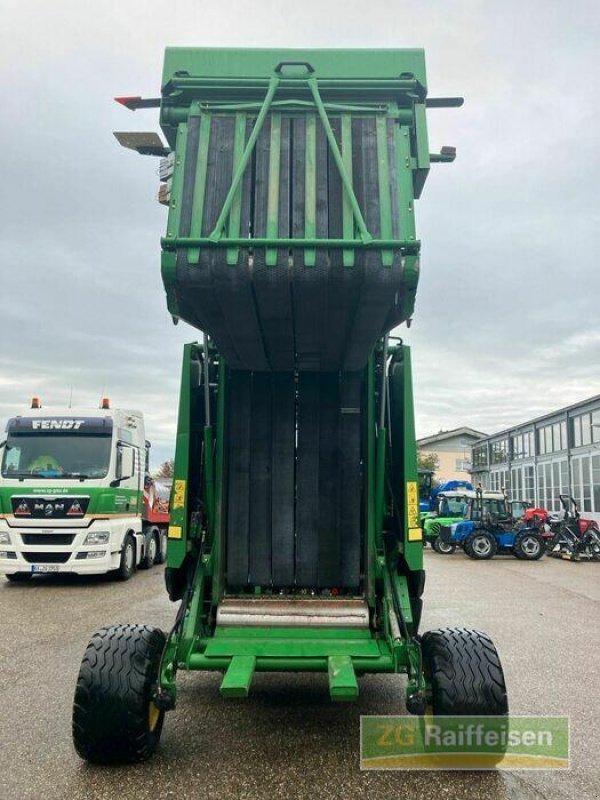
464 672
114 717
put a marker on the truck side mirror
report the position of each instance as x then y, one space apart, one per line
125 463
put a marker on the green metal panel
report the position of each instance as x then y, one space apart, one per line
342 678
259 62
237 679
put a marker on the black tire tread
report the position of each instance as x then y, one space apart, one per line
465 673
518 551
110 709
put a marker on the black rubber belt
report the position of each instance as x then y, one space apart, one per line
307 481
260 481
282 479
343 282
272 282
350 480
233 284
329 469
379 283
238 477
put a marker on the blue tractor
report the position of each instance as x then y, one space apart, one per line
490 527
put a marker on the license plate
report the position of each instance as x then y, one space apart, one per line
44 567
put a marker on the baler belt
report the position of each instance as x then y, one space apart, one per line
350 480
329 489
307 481
282 478
267 545
238 500
260 481
323 309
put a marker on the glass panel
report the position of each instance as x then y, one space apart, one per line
577 432
596 482
586 431
563 435
596 426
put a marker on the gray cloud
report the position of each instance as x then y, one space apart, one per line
505 326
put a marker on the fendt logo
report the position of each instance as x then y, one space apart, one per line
57 424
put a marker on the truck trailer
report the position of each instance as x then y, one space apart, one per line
76 495
294 542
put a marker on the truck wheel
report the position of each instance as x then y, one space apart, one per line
19 577
128 554
161 553
464 672
151 545
114 717
442 547
480 545
529 547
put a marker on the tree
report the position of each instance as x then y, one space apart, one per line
428 460
167 469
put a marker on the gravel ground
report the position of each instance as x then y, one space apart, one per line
288 740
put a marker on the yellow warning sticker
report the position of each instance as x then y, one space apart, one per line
415 534
178 494
175 532
412 504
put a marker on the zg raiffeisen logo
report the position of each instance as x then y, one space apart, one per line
404 742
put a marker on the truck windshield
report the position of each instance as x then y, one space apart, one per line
56 455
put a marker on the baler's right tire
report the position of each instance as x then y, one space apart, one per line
114 717
464 672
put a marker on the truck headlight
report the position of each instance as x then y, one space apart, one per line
4 538
97 537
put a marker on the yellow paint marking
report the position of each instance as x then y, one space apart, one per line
175 532
179 494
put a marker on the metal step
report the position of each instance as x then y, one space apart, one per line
290 612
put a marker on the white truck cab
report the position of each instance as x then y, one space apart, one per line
72 487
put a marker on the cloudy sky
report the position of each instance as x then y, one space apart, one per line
507 324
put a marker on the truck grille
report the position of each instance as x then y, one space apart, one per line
48 538
46 558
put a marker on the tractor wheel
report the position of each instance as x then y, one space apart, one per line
19 577
128 556
442 547
114 717
151 546
464 672
480 545
529 546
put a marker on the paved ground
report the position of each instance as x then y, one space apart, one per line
288 740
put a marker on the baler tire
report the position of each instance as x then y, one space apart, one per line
114 718
19 577
464 672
